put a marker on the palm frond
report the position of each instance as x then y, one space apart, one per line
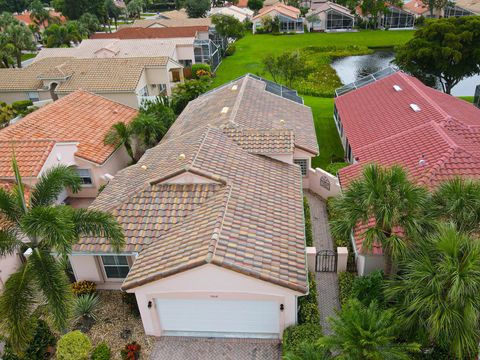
9 206
20 188
17 302
53 283
52 183
9 242
96 223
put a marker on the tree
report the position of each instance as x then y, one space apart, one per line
149 129
16 37
46 229
458 201
446 49
13 6
89 23
113 11
436 292
386 203
255 5
39 15
366 333
134 8
373 8
286 67
197 8
186 92
63 35
228 26
120 134
7 51
436 4
308 351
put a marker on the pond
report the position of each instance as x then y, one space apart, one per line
352 68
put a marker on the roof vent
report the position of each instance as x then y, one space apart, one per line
143 167
234 87
224 110
415 107
282 122
181 157
397 88
422 162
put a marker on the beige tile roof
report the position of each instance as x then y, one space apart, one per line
277 141
250 106
175 14
250 220
472 5
172 22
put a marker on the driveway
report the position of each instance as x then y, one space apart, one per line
188 348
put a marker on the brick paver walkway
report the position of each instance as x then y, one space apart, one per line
327 283
189 348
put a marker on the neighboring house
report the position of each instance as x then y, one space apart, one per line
394 18
452 9
330 17
25 17
399 120
241 14
62 133
206 45
213 218
173 14
171 23
289 17
177 49
126 80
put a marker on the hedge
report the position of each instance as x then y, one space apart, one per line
345 283
335 167
74 346
294 336
308 223
200 67
308 305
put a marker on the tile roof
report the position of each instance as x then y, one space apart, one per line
472 5
27 20
317 8
249 219
69 119
416 7
173 14
256 141
283 9
173 23
95 75
250 107
151 33
440 141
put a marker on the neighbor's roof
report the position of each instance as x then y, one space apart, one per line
27 20
416 6
174 14
95 75
247 216
328 5
172 23
438 142
151 33
250 107
80 117
283 9
472 5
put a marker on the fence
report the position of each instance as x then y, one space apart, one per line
322 183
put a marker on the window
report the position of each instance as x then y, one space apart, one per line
85 176
186 63
116 267
303 163
33 96
143 91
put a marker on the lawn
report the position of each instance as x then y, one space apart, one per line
28 56
467 98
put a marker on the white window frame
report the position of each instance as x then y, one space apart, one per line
33 98
143 91
82 177
117 265
303 164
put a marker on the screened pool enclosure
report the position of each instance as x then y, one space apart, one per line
396 18
338 21
288 24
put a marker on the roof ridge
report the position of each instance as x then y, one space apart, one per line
201 145
238 100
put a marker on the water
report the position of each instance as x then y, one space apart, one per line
352 68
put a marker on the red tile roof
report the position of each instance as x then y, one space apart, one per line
416 7
79 117
440 141
27 20
283 9
151 33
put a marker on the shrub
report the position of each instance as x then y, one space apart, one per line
130 300
186 92
345 283
74 346
296 335
308 304
22 105
101 352
39 348
308 223
341 243
131 351
369 288
230 50
85 310
83 287
333 168
199 70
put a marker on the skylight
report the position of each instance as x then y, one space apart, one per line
415 107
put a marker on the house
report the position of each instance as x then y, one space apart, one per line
173 14
171 23
213 218
129 81
180 50
393 18
25 17
289 17
61 133
419 8
399 120
453 9
206 44
330 17
241 14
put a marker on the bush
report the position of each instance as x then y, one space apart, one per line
308 305
74 346
342 243
295 336
230 50
345 283
199 69
308 223
39 348
333 168
85 310
22 105
101 352
368 288
131 351
130 300
83 287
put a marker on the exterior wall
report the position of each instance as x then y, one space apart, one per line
368 263
126 98
8 265
185 52
203 35
322 183
212 281
10 97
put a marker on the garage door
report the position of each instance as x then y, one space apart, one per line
219 318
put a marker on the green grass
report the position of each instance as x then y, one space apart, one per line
467 98
28 56
327 135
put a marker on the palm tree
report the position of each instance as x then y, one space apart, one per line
120 134
458 201
149 129
38 14
308 351
386 201
366 333
437 291
46 230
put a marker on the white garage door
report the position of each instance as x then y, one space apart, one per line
219 318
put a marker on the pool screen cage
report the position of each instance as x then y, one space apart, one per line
290 25
455 11
365 80
207 52
476 98
338 21
395 18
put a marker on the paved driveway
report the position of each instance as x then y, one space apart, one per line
188 348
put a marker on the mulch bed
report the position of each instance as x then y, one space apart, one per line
114 318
